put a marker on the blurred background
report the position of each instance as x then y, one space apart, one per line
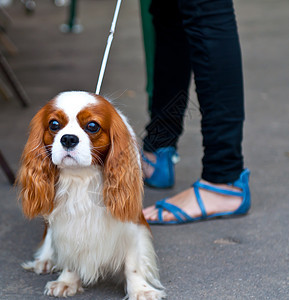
48 47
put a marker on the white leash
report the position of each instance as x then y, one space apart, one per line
108 45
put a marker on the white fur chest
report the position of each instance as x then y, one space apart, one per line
85 237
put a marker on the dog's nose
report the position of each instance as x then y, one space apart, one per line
69 141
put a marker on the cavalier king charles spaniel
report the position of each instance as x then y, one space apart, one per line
81 171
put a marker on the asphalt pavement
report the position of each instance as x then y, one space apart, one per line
240 258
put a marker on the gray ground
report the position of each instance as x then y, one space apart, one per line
241 258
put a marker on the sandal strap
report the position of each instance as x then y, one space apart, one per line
145 159
174 155
200 201
207 187
179 214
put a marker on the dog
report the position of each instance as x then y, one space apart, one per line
81 171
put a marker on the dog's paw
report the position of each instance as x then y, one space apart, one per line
62 289
148 294
39 266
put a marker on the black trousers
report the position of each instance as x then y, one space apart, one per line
199 36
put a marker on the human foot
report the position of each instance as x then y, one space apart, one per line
158 167
201 202
146 167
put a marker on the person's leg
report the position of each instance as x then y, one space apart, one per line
215 55
216 60
171 77
172 72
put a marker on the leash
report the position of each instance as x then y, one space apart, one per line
108 45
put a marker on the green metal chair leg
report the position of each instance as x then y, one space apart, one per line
72 25
149 46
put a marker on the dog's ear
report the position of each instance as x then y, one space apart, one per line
37 174
123 184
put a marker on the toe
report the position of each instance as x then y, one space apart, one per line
149 211
167 216
151 214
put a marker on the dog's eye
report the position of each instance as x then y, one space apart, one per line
92 127
54 125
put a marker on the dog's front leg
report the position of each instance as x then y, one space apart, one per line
141 272
43 262
67 284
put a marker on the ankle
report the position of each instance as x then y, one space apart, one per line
226 186
147 168
150 156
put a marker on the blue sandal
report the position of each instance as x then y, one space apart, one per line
182 217
164 170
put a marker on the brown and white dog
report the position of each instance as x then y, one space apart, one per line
81 171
